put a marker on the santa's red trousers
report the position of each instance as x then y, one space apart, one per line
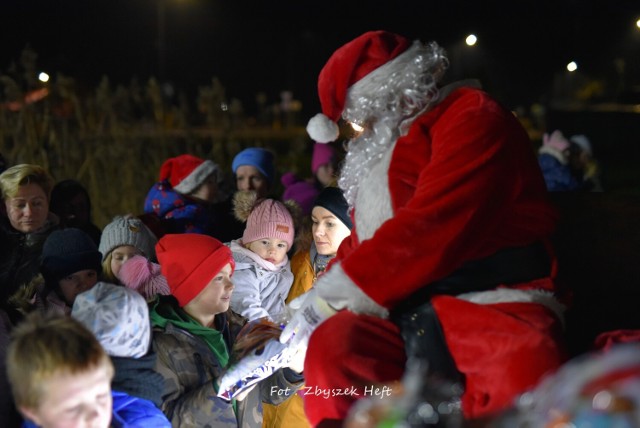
502 350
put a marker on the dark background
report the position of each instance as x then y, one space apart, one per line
270 46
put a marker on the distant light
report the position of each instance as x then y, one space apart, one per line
572 66
43 77
471 40
638 23
224 106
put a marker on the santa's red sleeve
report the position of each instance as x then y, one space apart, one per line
464 183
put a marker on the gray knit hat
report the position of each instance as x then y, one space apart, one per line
118 318
128 231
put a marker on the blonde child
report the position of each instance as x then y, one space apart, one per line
59 374
263 275
122 239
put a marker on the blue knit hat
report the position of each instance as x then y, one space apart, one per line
257 157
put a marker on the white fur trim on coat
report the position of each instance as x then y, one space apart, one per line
342 293
192 181
508 295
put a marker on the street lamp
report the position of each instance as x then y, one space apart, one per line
471 40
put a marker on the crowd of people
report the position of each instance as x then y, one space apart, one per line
427 239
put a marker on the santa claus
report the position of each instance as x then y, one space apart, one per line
449 259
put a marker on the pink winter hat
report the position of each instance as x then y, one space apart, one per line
143 276
322 155
300 191
269 219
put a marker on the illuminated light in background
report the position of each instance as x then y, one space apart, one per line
43 77
471 40
572 66
638 23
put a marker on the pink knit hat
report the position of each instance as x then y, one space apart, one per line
269 219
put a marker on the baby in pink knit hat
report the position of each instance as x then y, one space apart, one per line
263 275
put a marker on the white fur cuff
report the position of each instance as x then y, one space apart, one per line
342 293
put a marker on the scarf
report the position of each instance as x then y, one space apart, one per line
165 310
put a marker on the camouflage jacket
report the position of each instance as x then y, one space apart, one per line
189 369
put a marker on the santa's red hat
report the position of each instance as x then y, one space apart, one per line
348 65
186 173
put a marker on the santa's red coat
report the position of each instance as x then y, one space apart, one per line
463 184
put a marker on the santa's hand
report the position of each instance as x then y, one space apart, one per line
312 313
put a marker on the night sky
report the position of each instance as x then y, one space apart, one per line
275 45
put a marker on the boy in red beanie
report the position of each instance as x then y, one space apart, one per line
194 331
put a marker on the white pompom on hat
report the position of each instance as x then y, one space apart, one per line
322 129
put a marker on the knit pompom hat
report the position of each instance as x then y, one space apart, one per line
189 261
118 318
125 230
265 218
65 252
143 276
332 199
186 173
260 158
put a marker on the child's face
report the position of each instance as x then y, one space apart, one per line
120 255
270 249
215 297
208 190
77 283
325 174
81 400
328 231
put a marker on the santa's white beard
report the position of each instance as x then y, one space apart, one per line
364 176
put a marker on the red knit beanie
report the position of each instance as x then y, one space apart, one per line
189 261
